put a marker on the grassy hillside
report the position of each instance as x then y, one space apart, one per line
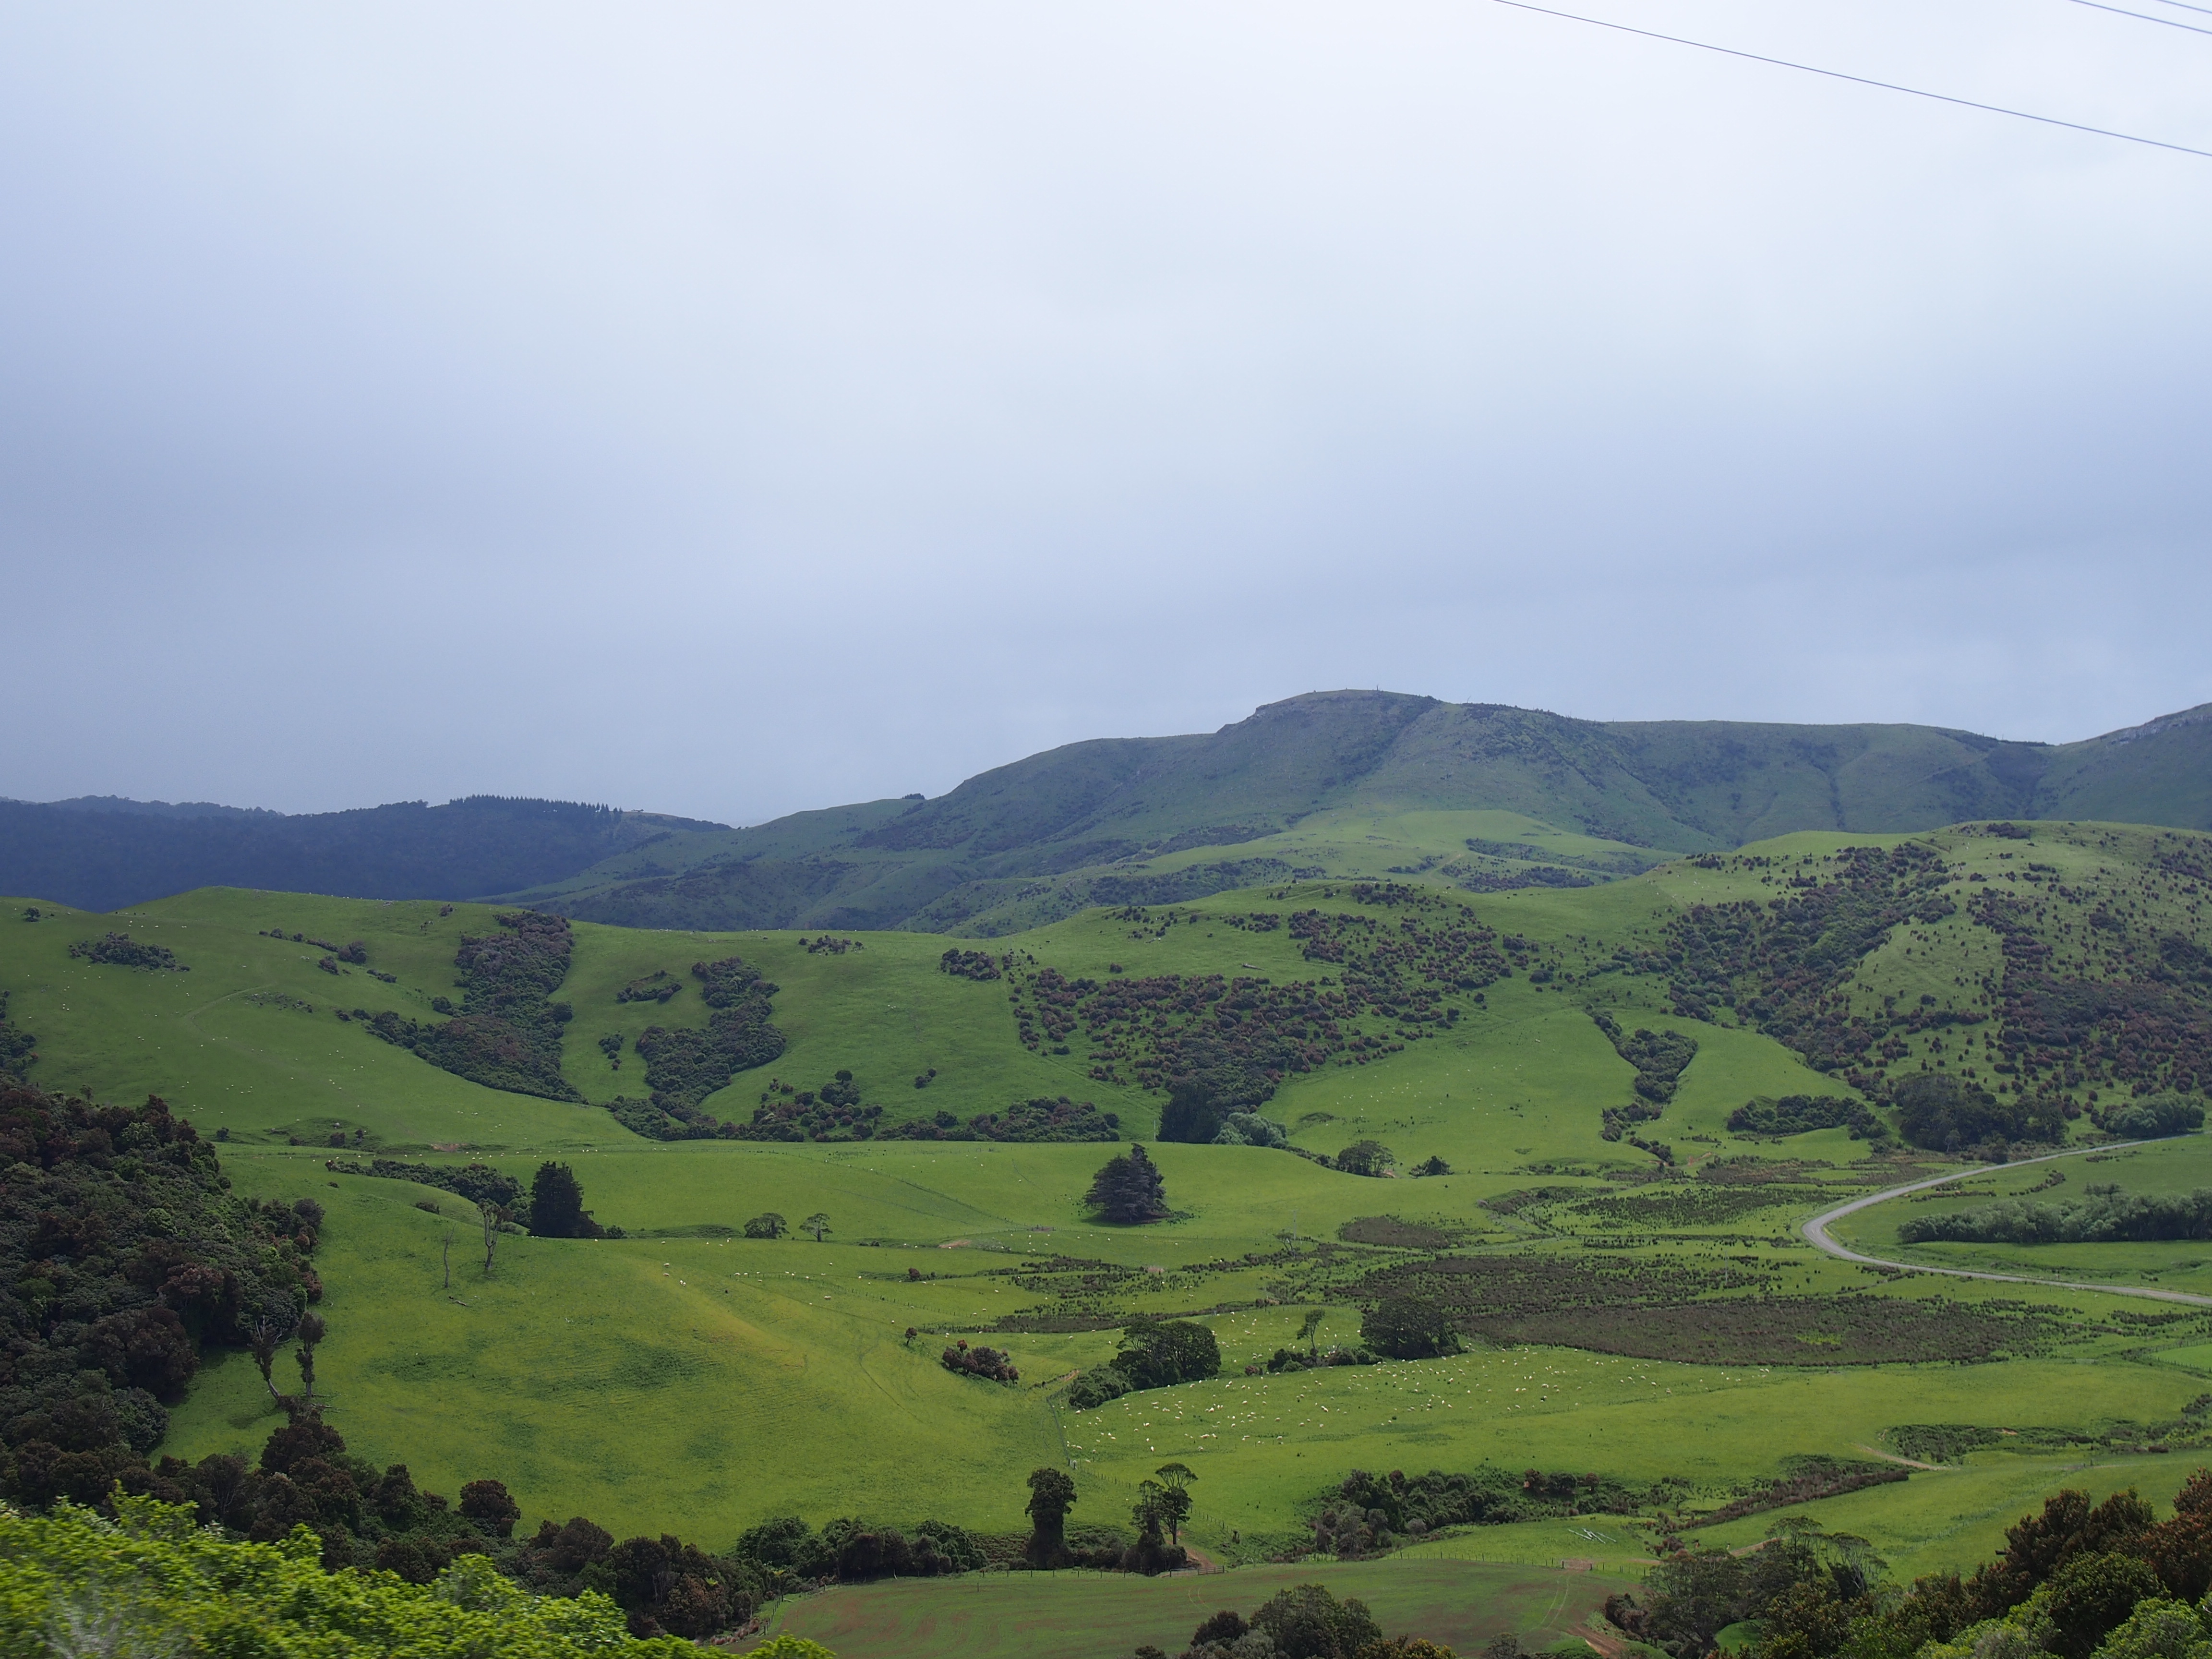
1350 784
1338 785
1639 1303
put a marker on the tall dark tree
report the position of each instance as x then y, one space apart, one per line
1052 1494
1174 1500
557 1204
1129 1189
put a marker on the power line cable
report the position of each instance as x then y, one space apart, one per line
1860 80
2185 6
2144 16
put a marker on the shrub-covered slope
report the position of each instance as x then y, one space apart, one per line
1344 784
1347 784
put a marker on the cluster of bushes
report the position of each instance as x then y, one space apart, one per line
1365 1157
992 1364
554 1208
1060 1120
18 1048
1217 1088
2154 1117
506 1033
1797 1114
835 947
149 1580
1805 1480
1660 1057
832 1112
1305 1621
2145 1023
683 1067
1409 1328
1154 1354
657 986
2102 1215
479 1184
2075 1581
674 1121
1221 1046
968 964
122 1257
360 1516
1315 1357
1250 1129
1945 1113
1256 922
121 951
852 1551
1779 963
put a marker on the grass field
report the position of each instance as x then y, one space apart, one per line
680 1379
2180 1166
1068 1615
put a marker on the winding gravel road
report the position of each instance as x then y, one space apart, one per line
1816 1233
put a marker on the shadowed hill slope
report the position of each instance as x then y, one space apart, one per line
103 853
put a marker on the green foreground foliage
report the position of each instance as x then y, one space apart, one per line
152 1581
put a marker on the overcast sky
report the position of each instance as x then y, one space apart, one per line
730 408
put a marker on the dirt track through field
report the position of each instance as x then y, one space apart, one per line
1816 1233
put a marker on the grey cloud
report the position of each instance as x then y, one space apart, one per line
733 410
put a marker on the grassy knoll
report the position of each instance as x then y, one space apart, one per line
1067 1615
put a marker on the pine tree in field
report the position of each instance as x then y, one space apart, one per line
556 1205
1129 1189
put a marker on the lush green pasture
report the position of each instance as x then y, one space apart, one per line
1461 1604
1948 1519
680 1380
2180 1166
731 1379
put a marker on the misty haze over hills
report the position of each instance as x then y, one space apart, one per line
1291 789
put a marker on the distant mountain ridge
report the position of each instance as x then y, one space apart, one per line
1331 783
103 853
1306 786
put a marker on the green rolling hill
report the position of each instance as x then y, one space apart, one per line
1351 784
1610 1230
1510 1034
1339 784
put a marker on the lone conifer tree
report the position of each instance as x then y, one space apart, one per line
557 1204
1129 1189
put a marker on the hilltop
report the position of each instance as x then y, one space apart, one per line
1339 784
1353 784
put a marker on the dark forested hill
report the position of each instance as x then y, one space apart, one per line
1333 782
102 853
